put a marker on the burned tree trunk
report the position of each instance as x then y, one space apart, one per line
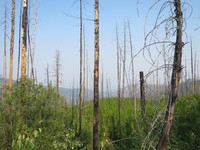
96 78
24 38
12 43
175 78
142 94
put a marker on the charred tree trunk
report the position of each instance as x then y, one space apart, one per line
12 43
142 94
24 38
96 78
175 78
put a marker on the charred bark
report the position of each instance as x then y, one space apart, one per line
24 38
96 78
175 78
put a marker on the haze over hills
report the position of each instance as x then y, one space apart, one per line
151 91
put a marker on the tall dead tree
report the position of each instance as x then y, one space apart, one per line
19 42
118 80
84 69
5 48
124 68
132 71
12 43
34 41
24 38
96 77
57 71
192 67
81 67
175 77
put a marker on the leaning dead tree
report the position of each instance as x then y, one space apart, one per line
175 77
96 77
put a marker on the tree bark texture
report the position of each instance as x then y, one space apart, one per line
12 43
142 94
96 78
175 78
24 38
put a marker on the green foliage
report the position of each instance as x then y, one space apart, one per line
186 126
26 140
127 133
68 141
34 117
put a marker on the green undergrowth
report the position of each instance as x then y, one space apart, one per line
34 117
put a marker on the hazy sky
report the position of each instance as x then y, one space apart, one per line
58 30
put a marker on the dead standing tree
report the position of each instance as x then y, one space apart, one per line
118 79
96 77
57 71
12 43
142 94
5 49
19 42
24 38
175 77
81 68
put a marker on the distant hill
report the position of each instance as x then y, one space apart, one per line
151 91
156 91
73 94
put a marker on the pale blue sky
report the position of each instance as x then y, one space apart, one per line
56 31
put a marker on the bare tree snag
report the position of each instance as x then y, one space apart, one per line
12 43
5 49
118 80
132 71
84 69
47 73
34 41
96 77
192 67
81 66
142 94
24 39
124 68
19 48
57 71
175 78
